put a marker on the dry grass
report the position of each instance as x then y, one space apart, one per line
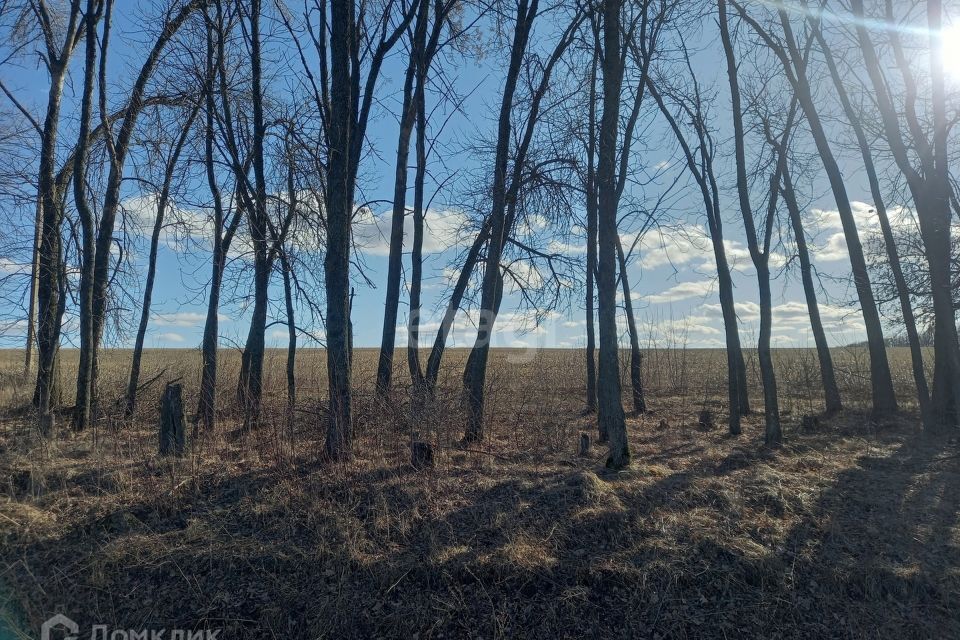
850 531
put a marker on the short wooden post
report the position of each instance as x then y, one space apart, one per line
421 455
584 444
706 420
171 420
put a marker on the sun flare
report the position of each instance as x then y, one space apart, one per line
950 50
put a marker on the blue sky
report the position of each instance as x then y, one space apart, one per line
672 274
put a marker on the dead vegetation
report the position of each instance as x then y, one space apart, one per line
848 531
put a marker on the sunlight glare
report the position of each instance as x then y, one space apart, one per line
950 50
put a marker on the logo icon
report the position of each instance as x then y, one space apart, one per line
59 621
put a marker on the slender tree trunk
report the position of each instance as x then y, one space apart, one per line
416 251
591 207
251 372
206 410
636 357
609 403
394 262
831 392
773 434
893 257
337 260
475 373
884 398
162 201
34 284
291 341
82 411
760 257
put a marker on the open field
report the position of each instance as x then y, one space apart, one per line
849 530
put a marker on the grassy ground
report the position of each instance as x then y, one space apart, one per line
850 530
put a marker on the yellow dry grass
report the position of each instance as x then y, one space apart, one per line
849 531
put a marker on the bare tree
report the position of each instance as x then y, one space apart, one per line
505 192
792 60
929 185
610 415
699 153
96 260
759 253
163 200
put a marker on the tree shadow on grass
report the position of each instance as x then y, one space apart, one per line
715 548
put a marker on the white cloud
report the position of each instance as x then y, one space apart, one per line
183 319
681 291
442 230
170 337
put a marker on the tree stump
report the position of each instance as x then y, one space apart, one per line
705 420
809 423
584 444
171 420
421 455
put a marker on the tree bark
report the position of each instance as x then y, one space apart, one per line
475 372
609 404
760 257
83 408
636 357
831 392
884 398
591 211
162 201
339 210
893 257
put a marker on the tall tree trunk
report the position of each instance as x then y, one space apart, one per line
408 118
82 411
831 392
162 201
475 373
34 284
609 403
416 250
339 209
760 257
893 256
251 372
50 268
884 398
636 357
50 257
222 238
291 341
591 210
